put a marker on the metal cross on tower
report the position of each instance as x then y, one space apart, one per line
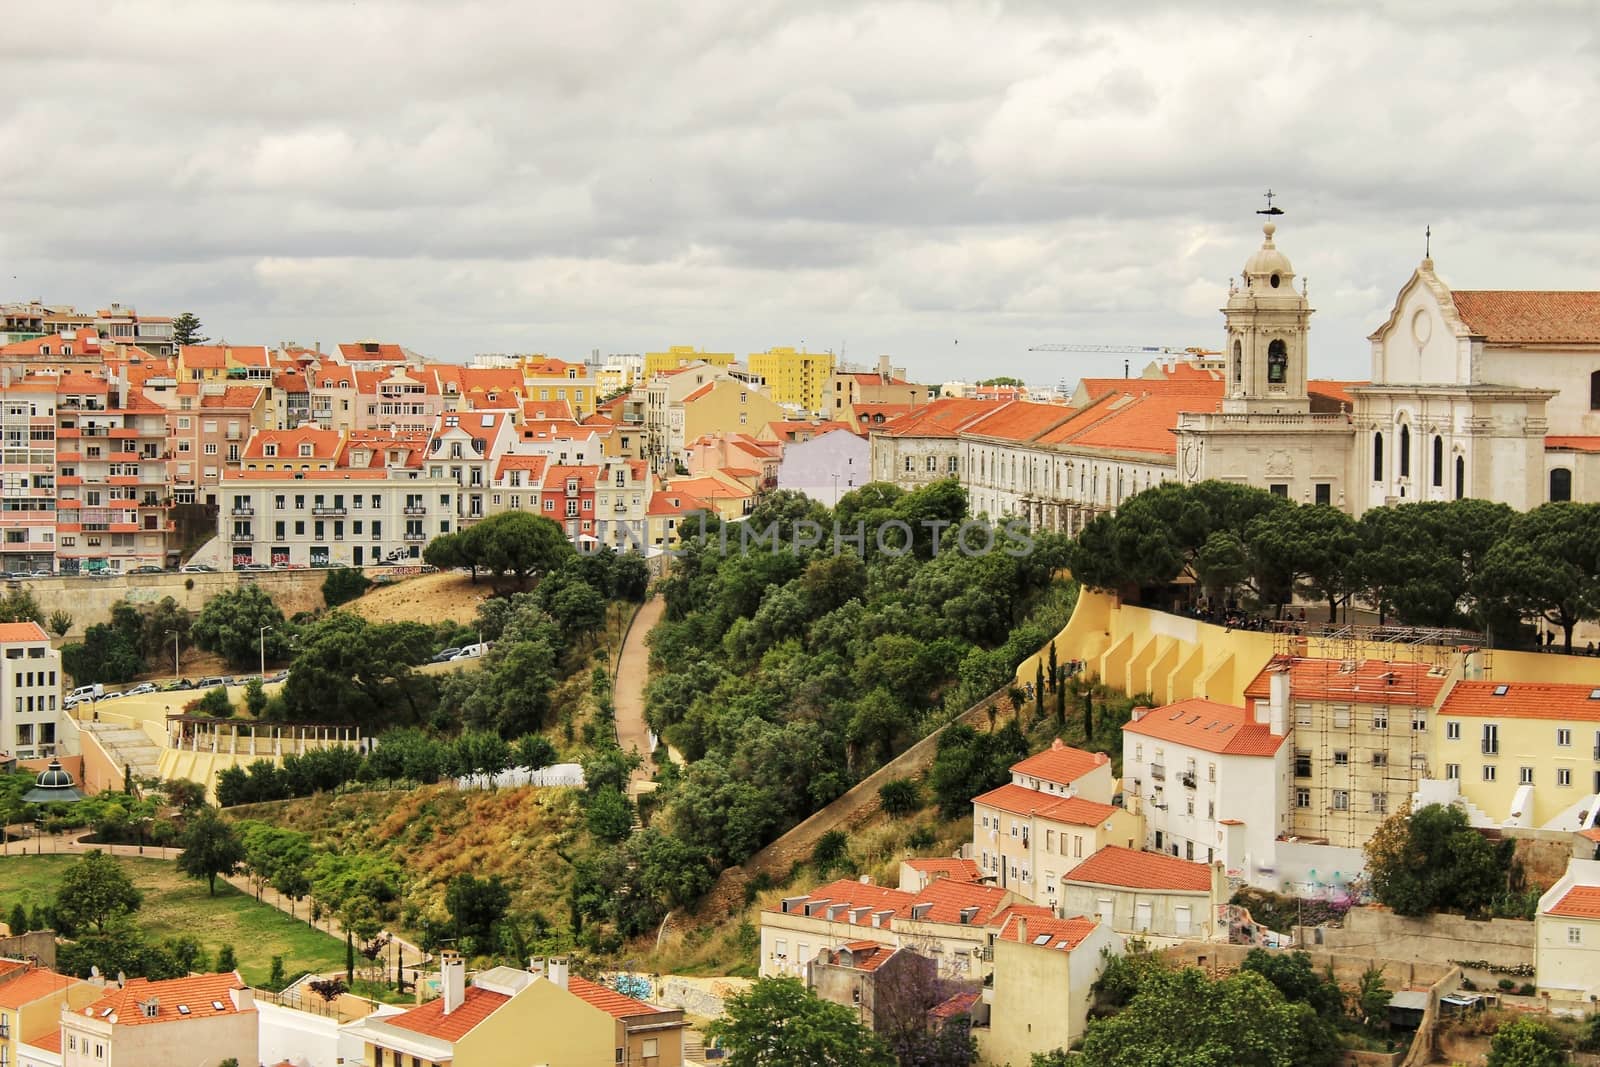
1270 210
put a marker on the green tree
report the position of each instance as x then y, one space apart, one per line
255 697
1372 997
105 655
900 796
20 606
211 846
226 961
609 815
60 623
186 329
630 577
517 544
231 626
1292 974
778 1022
93 892
1527 1042
1548 565
350 670
155 626
1184 1019
476 907
344 584
18 923
534 751
214 702
1433 860
1310 547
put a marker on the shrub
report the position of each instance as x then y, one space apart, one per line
900 796
344 584
1527 989
1506 985
214 703
830 852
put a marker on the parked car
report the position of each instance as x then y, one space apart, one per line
112 696
181 683
281 676
199 568
140 690
147 568
87 692
42 574
445 655
252 567
471 651
209 683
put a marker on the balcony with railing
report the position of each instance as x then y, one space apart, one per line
1158 772
243 535
336 513
415 509
415 535
1187 778
244 510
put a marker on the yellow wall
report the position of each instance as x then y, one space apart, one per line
730 407
1528 743
42 1016
676 356
795 377
542 1024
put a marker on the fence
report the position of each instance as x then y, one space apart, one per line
558 774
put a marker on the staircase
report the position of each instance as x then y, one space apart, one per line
124 747
694 1046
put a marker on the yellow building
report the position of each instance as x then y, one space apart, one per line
1566 947
31 1001
793 377
505 1018
726 406
556 379
681 356
1522 753
1044 973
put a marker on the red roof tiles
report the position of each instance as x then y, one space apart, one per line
1020 800
609 1000
1367 681
35 985
1062 935
1572 443
1060 763
1114 865
1510 316
198 993
1209 726
22 631
955 869
1524 700
430 1019
1580 902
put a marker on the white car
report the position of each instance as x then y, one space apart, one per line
140 690
471 651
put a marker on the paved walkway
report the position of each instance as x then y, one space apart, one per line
633 671
63 844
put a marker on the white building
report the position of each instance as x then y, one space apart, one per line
827 466
30 690
1211 783
1566 953
1147 893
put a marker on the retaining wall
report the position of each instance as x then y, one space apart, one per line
89 600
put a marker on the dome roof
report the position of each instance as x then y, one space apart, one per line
54 777
1267 260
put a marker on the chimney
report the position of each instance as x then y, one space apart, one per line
1022 929
558 970
536 965
452 979
1139 713
1278 701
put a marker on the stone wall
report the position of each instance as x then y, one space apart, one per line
89 600
1347 966
1436 939
39 945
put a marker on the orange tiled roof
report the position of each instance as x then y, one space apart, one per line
534 410
709 488
1572 443
234 396
1114 865
200 993
1019 421
1531 316
946 899
673 502
1209 726
1336 390
1523 700
1146 423
383 351
955 869
1062 935
1020 800
1204 383
1367 682
866 955
22 631
33 986
512 462
609 1000
49 1041
856 895
943 417
951 1007
1580 902
217 357
1060 763
325 444
1592 834
477 1005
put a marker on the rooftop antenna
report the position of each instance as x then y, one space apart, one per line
1269 209
1427 242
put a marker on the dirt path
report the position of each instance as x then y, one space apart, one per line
633 671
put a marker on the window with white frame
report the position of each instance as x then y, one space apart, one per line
1564 738
1525 775
1452 731
1564 776
1341 800
1488 772
1452 771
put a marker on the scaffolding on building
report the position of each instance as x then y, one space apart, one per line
1361 704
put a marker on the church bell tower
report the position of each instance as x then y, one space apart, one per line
1268 323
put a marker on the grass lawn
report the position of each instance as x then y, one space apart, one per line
175 905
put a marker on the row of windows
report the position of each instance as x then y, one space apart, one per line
1525 775
34 678
1339 800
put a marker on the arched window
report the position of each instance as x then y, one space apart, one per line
1594 390
1461 477
1277 363
1438 461
1238 362
1377 457
1405 450
1560 484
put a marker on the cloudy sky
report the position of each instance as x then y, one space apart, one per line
948 183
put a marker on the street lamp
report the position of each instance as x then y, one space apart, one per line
176 638
263 637
835 490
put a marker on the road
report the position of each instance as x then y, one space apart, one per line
633 671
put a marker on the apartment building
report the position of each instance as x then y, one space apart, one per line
798 378
333 400
310 497
400 399
462 448
620 371
645 1035
1360 731
1566 953
224 363
172 1021
827 467
124 325
30 690
925 445
678 356
672 516
1147 893
555 379
882 385
111 477
1521 754
207 434
1044 975
1054 812
622 492
31 1002
27 472
1210 782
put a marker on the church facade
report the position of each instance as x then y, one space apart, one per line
1493 394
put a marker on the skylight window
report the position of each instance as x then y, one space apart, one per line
1501 690
1594 694
1042 939
218 1005
183 1009
488 420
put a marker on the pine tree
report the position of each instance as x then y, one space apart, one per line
1055 672
186 330
1088 718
